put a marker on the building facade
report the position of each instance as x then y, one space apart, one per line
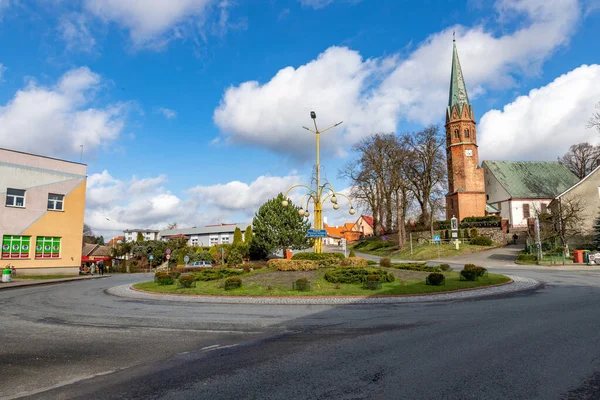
522 189
466 190
42 202
205 236
131 235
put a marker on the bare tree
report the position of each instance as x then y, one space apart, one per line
581 158
568 218
426 169
88 234
594 122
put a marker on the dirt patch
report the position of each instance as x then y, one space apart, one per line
407 275
280 278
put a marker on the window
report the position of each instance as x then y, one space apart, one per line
214 240
194 242
15 246
526 211
544 208
225 239
55 202
456 135
467 133
15 198
47 247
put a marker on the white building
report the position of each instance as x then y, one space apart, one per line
205 236
520 190
131 235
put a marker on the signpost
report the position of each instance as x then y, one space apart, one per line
168 257
316 233
344 246
222 255
168 251
437 239
454 227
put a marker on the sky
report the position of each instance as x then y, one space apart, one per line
191 111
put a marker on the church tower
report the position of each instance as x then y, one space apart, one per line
466 188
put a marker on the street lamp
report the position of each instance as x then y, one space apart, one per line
320 193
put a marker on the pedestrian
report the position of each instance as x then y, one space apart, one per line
101 267
93 268
515 238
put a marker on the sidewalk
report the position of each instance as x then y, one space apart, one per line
18 283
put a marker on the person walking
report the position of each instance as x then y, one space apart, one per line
101 267
515 238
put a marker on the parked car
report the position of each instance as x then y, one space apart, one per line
200 264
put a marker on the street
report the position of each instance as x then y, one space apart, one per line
75 341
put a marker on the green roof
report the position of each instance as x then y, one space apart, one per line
532 179
458 88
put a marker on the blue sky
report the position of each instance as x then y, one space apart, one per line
190 110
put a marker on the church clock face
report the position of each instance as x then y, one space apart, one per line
469 153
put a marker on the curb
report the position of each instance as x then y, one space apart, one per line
43 282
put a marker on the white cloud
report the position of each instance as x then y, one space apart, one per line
57 120
543 124
374 95
167 112
316 3
75 32
151 21
2 71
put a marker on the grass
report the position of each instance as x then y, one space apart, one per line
43 276
423 252
547 259
276 283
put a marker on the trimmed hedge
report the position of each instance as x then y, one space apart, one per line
163 279
206 275
435 279
472 272
385 262
186 281
421 267
480 271
302 285
233 282
445 267
481 241
281 264
317 256
357 275
354 262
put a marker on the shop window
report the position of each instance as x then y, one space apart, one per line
55 202
15 247
47 247
15 198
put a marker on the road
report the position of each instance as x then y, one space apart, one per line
75 341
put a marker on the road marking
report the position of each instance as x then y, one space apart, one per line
210 347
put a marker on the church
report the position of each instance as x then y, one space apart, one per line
514 190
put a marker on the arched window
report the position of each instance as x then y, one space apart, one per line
456 136
467 133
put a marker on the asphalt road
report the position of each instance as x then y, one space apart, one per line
75 341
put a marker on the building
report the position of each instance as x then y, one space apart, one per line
365 226
586 195
41 213
205 236
94 253
115 241
131 235
466 190
520 189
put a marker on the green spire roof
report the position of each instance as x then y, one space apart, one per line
458 89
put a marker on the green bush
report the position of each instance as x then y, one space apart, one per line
487 218
318 256
215 274
481 241
465 233
480 271
445 267
352 253
174 274
385 262
466 275
233 282
435 279
186 281
474 233
371 262
302 285
422 267
356 275
372 282
235 256
162 278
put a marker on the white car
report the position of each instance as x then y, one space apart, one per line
200 264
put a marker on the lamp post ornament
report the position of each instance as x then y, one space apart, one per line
320 193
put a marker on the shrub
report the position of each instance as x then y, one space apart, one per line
162 278
480 271
186 281
357 262
446 235
317 256
474 233
435 279
294 265
481 241
233 282
371 262
372 282
385 262
466 275
445 267
215 274
416 267
235 256
352 253
357 275
174 274
466 233
301 285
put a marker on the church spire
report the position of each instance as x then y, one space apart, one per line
458 89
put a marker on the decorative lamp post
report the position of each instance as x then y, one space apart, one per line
321 193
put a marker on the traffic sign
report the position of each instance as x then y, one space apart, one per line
317 233
168 257
151 257
220 249
437 238
186 259
168 251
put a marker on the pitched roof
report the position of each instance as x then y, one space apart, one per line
335 231
532 179
368 220
458 88
578 183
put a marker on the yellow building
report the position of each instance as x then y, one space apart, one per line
42 203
